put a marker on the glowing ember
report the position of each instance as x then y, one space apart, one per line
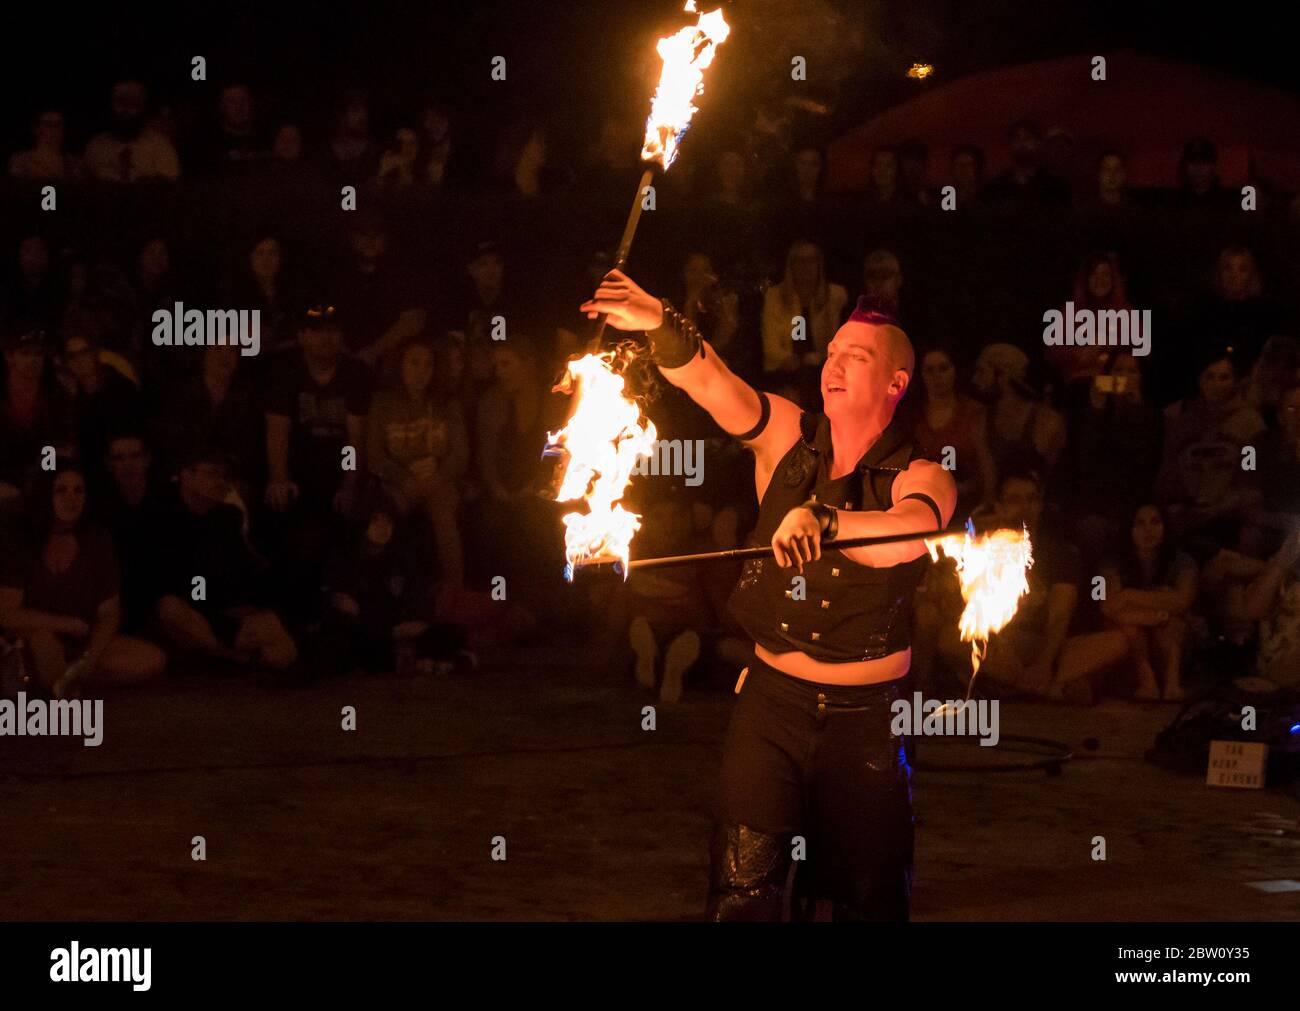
686 56
603 439
991 569
920 71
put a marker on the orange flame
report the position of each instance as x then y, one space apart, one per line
991 569
686 55
604 438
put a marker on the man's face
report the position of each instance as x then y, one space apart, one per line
1200 175
128 462
487 271
236 108
1020 503
1111 175
860 371
1218 382
321 343
985 380
1236 277
49 130
69 497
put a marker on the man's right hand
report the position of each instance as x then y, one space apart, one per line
625 304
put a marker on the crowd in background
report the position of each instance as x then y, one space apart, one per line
357 493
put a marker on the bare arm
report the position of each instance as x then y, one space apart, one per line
16 618
108 620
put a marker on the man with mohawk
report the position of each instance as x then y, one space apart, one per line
810 766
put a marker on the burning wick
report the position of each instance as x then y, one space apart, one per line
991 570
603 439
686 55
920 71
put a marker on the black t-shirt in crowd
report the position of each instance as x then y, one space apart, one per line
1055 561
319 418
210 545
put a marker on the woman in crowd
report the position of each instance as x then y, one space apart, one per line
1098 287
419 450
1150 588
59 593
800 316
949 424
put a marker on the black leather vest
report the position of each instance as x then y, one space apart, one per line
849 611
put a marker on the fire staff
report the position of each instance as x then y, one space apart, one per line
810 769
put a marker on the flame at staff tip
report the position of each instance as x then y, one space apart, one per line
991 569
686 55
603 440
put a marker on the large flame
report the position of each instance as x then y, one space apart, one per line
991 569
686 55
603 440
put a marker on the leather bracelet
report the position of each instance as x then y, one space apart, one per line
828 518
675 341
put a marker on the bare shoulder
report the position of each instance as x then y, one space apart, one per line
925 477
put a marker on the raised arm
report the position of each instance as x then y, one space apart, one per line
690 363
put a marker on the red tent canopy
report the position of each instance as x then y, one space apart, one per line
1147 108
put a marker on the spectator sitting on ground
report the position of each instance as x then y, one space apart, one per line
1273 600
419 450
202 538
60 593
34 413
133 509
380 616
1150 589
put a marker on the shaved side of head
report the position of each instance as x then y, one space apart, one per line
899 347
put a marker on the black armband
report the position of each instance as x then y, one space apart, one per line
764 413
828 518
675 341
922 496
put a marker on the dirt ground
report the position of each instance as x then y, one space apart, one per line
602 820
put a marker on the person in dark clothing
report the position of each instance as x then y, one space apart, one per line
103 399
217 409
134 511
380 614
1026 183
214 599
34 413
59 591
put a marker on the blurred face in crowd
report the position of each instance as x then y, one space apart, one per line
1024 146
155 260
533 156
698 272
1238 277
220 363
237 109
408 145
1148 529
25 362
731 172
1101 281
288 143
49 130
33 257
1199 174
1126 366
883 278
69 500
369 245
127 107
866 364
81 359
417 370
1288 415
938 374
884 171
205 483
808 168
1217 382
510 369
323 345
379 531
987 381
965 171
356 118
435 123
265 259
1111 176
805 265
487 271
1020 502
128 463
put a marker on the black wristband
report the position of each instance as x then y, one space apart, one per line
828 518
675 341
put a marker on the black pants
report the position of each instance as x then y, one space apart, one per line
816 761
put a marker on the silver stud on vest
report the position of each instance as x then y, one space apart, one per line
816 636
826 605
785 626
835 572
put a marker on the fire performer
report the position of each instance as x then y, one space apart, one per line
810 766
